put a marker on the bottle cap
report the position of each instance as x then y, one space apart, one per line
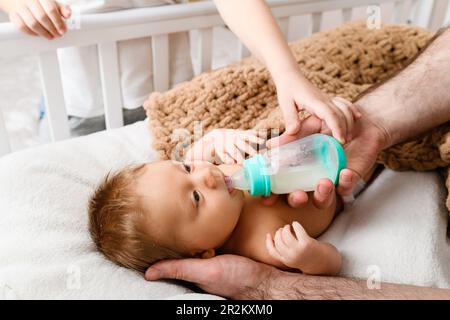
256 174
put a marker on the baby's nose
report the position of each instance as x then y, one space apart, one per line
211 179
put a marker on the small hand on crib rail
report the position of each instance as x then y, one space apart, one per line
43 18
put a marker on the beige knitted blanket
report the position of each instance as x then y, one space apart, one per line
344 61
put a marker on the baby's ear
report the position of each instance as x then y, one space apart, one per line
208 254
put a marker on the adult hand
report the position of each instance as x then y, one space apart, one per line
361 155
43 18
228 275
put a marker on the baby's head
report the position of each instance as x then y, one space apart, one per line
162 210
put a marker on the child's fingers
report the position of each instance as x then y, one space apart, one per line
290 115
356 113
17 20
42 17
348 114
65 10
33 24
334 118
270 246
53 12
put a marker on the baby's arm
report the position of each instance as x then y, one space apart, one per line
298 250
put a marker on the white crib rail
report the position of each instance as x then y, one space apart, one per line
104 30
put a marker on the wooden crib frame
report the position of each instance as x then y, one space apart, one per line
104 30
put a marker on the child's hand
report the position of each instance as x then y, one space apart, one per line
295 92
43 18
293 250
227 145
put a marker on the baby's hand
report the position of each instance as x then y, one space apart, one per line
293 250
38 17
227 145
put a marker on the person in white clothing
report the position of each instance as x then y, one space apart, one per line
79 66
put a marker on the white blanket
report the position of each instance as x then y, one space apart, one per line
397 224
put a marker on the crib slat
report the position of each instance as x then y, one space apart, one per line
401 11
243 51
316 21
109 72
4 141
284 26
160 48
53 94
437 15
205 48
346 15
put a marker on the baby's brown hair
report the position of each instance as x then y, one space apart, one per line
117 222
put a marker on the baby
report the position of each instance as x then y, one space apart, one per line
167 209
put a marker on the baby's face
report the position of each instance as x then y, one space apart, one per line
188 206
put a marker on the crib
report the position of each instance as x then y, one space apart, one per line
106 29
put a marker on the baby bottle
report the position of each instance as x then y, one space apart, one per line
298 165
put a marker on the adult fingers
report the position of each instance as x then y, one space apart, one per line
33 23
192 270
17 20
348 179
54 14
269 200
324 194
297 199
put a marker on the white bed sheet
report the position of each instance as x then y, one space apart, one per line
397 225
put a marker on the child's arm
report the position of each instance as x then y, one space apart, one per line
253 22
37 17
227 146
298 250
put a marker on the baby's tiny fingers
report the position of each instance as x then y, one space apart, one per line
287 236
253 139
270 246
300 232
245 147
279 243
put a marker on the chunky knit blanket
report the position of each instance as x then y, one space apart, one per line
342 62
